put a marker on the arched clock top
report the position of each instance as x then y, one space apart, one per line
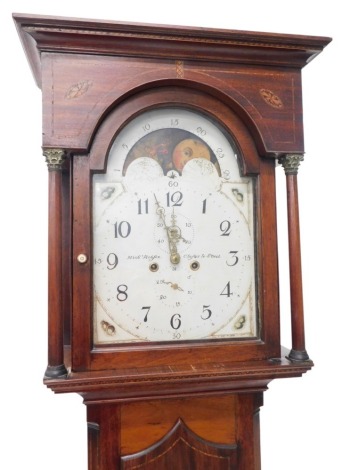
191 100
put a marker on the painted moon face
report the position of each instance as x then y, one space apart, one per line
187 150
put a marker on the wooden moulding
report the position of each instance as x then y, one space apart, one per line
57 34
188 380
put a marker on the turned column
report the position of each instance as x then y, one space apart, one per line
290 163
56 369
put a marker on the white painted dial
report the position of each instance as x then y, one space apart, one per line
173 234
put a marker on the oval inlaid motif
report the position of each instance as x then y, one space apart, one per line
271 98
78 89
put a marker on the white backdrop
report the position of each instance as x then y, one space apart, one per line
300 416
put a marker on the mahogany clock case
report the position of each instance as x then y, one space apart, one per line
96 77
250 83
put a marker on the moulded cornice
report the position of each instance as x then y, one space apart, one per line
70 35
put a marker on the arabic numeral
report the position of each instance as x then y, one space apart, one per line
234 259
226 174
219 153
175 321
122 292
206 312
147 312
174 199
201 131
122 229
174 122
146 127
225 227
142 206
227 290
112 261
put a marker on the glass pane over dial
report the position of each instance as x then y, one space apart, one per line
173 234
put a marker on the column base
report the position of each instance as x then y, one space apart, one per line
56 372
299 356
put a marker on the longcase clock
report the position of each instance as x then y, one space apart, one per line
161 144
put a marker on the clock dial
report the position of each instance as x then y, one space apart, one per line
173 231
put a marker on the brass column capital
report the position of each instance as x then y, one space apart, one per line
55 158
290 162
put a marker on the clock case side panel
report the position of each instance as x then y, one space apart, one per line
84 355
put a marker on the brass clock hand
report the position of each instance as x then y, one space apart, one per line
174 230
173 233
173 285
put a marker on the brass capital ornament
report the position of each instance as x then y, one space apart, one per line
55 159
291 162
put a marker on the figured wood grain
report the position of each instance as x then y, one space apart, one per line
183 449
248 429
143 423
104 429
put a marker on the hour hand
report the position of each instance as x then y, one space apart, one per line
173 233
